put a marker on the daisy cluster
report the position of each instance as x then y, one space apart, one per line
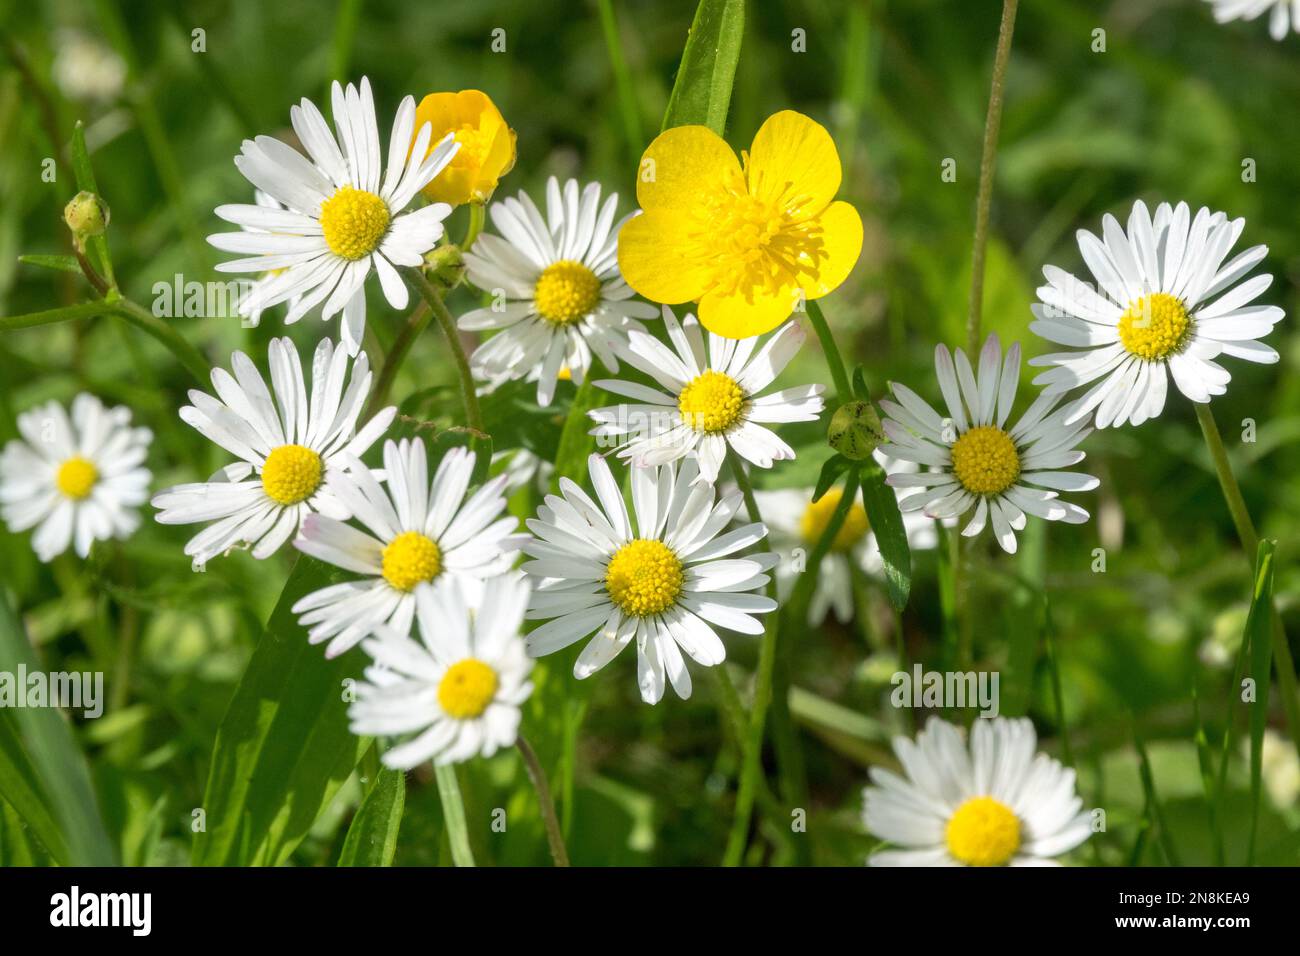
451 598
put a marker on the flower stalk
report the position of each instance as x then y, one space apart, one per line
1249 537
988 161
554 835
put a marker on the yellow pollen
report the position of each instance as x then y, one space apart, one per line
76 477
467 688
711 402
353 222
983 832
411 558
748 225
474 146
750 243
818 515
985 460
291 474
1154 327
644 577
566 291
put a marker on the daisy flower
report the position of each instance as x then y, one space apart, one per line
417 534
992 803
563 295
748 239
796 521
978 462
459 688
339 220
1283 15
292 449
667 583
77 480
1170 307
711 399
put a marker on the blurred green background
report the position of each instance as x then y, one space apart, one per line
1169 111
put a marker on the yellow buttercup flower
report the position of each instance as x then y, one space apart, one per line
748 239
487 145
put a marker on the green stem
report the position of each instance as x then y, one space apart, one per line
554 836
733 712
803 589
476 215
453 812
1286 676
751 763
622 80
411 330
988 160
832 351
173 341
433 298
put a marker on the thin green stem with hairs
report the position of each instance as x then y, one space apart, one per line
1283 662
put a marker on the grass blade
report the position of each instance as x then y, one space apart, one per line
1259 635
702 91
43 773
372 837
283 747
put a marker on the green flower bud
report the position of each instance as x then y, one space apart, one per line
855 430
86 215
445 266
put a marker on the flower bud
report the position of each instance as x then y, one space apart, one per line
445 266
855 431
487 145
86 215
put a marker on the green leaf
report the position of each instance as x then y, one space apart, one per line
61 263
283 748
97 246
372 837
43 774
831 471
702 92
860 390
891 538
63 313
1259 635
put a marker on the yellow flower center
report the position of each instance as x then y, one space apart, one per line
76 477
410 558
474 146
983 832
985 460
749 242
467 688
353 221
748 226
711 402
566 291
1154 327
644 578
818 515
291 474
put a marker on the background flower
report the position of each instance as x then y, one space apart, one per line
75 480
